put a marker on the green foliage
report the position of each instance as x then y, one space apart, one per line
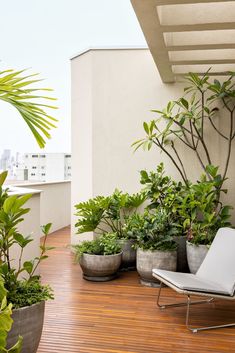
106 244
202 213
188 120
107 214
195 208
16 90
6 322
162 191
27 293
154 230
12 211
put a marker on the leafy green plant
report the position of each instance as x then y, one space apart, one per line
106 244
154 230
6 322
11 214
186 122
16 90
195 208
105 214
202 213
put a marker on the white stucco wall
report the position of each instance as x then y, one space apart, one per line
113 92
55 203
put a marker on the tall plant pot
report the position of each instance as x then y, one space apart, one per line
195 255
28 323
182 262
147 260
128 254
100 268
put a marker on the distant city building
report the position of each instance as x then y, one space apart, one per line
44 167
37 167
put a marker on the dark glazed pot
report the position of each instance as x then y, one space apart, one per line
182 262
128 254
28 323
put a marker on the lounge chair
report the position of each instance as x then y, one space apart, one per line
214 279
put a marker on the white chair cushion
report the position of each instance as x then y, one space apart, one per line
190 282
219 263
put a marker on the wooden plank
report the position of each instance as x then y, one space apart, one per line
121 316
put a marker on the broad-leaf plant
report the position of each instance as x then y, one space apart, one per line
6 322
21 281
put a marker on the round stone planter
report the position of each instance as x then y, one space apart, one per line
100 268
147 260
28 323
128 254
195 255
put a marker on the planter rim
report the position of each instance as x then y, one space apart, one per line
29 306
120 253
192 244
164 251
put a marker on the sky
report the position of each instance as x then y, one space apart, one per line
42 36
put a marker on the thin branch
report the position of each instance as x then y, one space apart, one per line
157 143
179 159
203 143
217 130
229 146
186 143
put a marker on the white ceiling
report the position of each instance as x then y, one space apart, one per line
187 35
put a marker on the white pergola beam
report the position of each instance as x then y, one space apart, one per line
176 2
211 33
150 25
203 62
198 27
200 47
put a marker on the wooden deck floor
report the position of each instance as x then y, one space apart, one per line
121 316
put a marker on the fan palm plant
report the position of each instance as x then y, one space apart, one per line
16 89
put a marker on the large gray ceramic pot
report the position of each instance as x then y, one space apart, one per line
28 323
128 254
195 255
147 260
100 268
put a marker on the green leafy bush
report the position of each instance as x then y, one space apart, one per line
105 214
194 208
12 211
154 230
106 244
6 323
28 293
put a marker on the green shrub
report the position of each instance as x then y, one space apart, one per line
106 244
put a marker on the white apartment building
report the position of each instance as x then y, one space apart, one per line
44 167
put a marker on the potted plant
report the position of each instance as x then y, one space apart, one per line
156 247
162 191
203 216
6 323
100 258
24 290
104 214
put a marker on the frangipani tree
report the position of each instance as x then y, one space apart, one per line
187 120
17 89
